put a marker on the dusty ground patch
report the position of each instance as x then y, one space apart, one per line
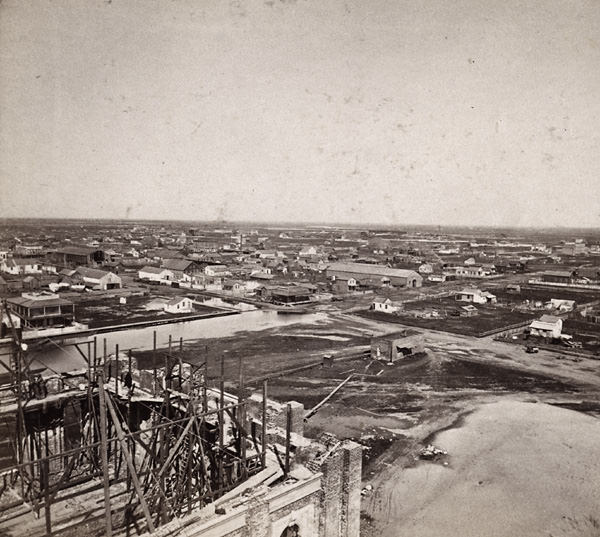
515 468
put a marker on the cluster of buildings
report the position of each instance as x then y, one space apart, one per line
285 266
235 259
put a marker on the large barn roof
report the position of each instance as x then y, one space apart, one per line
93 273
378 270
176 264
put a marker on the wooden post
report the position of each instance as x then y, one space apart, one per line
221 422
130 442
288 432
46 482
263 436
104 452
180 363
204 392
104 354
95 356
89 362
154 377
162 508
242 417
134 477
117 370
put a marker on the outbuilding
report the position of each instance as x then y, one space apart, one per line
99 279
475 295
375 273
559 276
547 326
180 304
156 274
294 294
386 305
393 347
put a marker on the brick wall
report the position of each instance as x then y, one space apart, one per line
341 486
351 487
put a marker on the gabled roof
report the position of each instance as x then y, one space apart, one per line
153 270
378 270
177 264
177 300
231 283
551 319
76 250
261 276
92 273
539 325
562 301
559 273
290 291
24 261
470 291
31 303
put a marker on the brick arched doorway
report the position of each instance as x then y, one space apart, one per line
291 531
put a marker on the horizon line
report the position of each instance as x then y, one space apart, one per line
301 223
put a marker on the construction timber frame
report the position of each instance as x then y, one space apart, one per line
157 454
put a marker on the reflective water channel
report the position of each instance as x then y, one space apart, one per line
60 358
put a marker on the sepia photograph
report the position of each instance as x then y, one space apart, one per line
299 268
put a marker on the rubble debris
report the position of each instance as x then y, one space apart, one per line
431 453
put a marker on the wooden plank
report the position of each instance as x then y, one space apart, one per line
314 409
125 451
288 432
176 447
263 435
104 451
47 500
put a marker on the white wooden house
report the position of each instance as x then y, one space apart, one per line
180 304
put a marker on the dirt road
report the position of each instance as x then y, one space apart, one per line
514 468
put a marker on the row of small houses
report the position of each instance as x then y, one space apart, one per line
40 310
547 326
84 277
474 296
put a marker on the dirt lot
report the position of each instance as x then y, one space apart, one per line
269 351
109 311
513 468
396 413
544 294
489 317
393 411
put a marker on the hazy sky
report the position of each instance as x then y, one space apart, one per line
392 111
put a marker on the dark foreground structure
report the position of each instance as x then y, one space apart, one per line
116 450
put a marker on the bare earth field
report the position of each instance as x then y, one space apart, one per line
514 469
517 462
489 317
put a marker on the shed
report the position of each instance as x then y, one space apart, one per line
396 346
547 326
180 304
99 279
386 305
